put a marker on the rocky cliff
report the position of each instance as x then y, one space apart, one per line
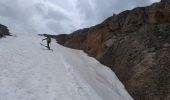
3 31
135 44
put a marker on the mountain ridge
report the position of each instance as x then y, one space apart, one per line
135 44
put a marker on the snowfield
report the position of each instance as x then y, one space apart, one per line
28 71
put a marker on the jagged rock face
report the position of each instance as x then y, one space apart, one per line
165 1
135 45
3 31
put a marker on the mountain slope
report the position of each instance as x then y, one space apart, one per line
29 71
135 44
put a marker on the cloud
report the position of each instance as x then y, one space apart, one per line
56 16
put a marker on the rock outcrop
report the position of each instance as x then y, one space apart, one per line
3 31
135 44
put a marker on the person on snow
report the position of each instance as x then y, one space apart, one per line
48 41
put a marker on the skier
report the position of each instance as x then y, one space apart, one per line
48 42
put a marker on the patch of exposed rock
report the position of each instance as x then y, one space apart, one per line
3 31
135 44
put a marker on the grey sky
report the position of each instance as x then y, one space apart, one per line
60 16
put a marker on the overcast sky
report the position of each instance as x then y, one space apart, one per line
60 16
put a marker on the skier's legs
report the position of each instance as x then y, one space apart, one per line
48 45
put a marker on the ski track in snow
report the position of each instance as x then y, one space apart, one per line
28 71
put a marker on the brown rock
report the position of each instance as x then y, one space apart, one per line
135 45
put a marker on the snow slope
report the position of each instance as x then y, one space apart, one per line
30 72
